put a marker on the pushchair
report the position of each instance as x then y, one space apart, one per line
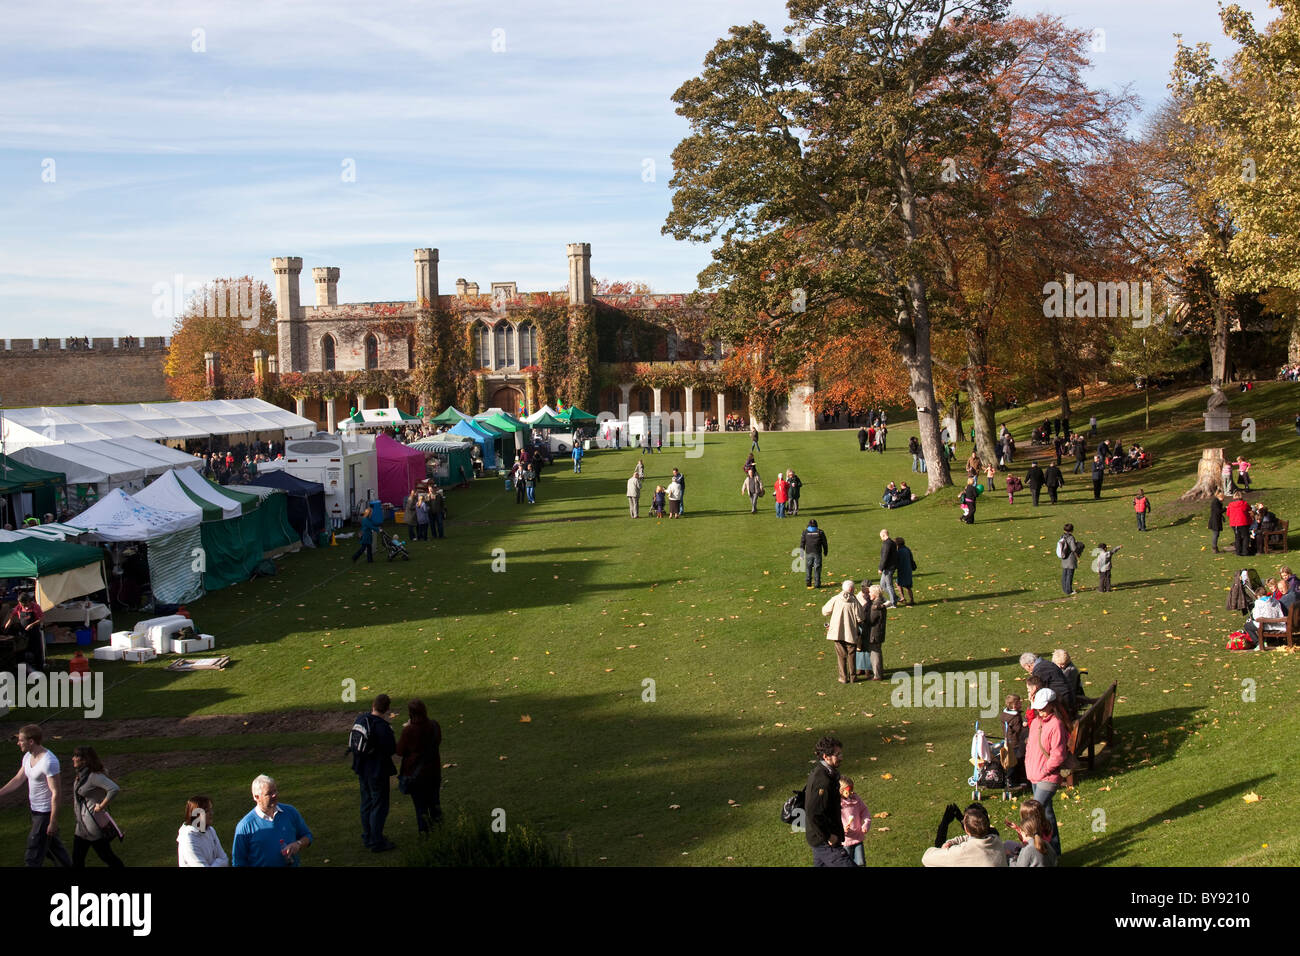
396 546
993 763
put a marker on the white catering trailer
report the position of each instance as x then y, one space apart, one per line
346 467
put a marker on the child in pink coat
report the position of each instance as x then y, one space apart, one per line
857 821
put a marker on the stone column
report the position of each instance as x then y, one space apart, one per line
722 411
212 373
331 417
361 403
426 278
688 425
300 407
392 400
580 273
626 408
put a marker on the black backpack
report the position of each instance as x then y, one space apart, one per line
359 740
795 803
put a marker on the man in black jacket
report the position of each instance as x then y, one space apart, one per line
888 565
1054 480
373 767
862 439
823 825
1034 479
1080 451
1052 677
814 546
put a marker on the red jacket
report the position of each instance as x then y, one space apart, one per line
1238 513
781 490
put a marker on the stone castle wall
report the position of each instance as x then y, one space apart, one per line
82 371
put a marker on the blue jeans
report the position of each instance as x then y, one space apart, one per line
831 856
577 467
856 855
887 586
374 810
916 462
531 501
1067 580
436 521
780 509
812 562
40 844
1078 467
1142 520
923 465
1043 793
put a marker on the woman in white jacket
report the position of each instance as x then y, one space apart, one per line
197 843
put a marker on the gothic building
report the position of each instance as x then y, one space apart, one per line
644 361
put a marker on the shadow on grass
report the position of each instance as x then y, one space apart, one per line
1119 842
980 597
1144 740
1145 583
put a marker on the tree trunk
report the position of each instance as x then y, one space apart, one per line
1146 392
981 411
1209 476
1064 390
1293 346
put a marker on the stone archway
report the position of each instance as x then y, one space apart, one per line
507 399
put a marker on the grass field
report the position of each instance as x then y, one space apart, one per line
538 673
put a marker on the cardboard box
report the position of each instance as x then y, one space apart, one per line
190 646
109 653
207 642
139 654
121 640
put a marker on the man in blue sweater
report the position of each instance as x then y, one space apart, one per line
272 833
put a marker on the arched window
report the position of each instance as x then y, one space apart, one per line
527 345
645 399
372 351
482 346
410 351
505 344
327 354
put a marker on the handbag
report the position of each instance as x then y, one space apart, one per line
107 825
1068 765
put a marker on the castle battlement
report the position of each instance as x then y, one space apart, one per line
81 343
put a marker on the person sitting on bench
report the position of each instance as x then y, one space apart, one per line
1266 606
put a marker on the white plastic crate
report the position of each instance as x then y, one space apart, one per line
139 654
109 653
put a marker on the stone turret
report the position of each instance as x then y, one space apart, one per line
327 284
580 273
288 310
426 278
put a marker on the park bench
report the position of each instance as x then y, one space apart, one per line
1285 627
1275 541
1095 726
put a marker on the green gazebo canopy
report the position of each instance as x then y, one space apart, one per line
450 416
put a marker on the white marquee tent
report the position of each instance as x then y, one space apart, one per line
156 421
123 462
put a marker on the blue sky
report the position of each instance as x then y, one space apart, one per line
496 132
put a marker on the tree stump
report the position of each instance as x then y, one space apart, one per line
1209 476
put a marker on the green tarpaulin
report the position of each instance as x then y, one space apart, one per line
36 557
450 416
15 478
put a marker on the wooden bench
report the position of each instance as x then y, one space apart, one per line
1289 625
1275 541
1094 726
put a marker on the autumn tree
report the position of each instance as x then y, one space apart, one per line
232 317
1144 355
809 165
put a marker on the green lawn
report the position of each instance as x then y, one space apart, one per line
538 673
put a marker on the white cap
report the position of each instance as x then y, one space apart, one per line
1044 696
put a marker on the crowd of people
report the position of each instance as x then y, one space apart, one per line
271 834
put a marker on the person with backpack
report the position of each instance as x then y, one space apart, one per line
814 545
372 746
1068 550
823 819
1141 507
420 777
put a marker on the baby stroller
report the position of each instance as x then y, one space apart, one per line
396 547
992 761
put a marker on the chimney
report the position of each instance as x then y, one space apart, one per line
426 278
471 289
460 288
580 273
327 284
212 372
